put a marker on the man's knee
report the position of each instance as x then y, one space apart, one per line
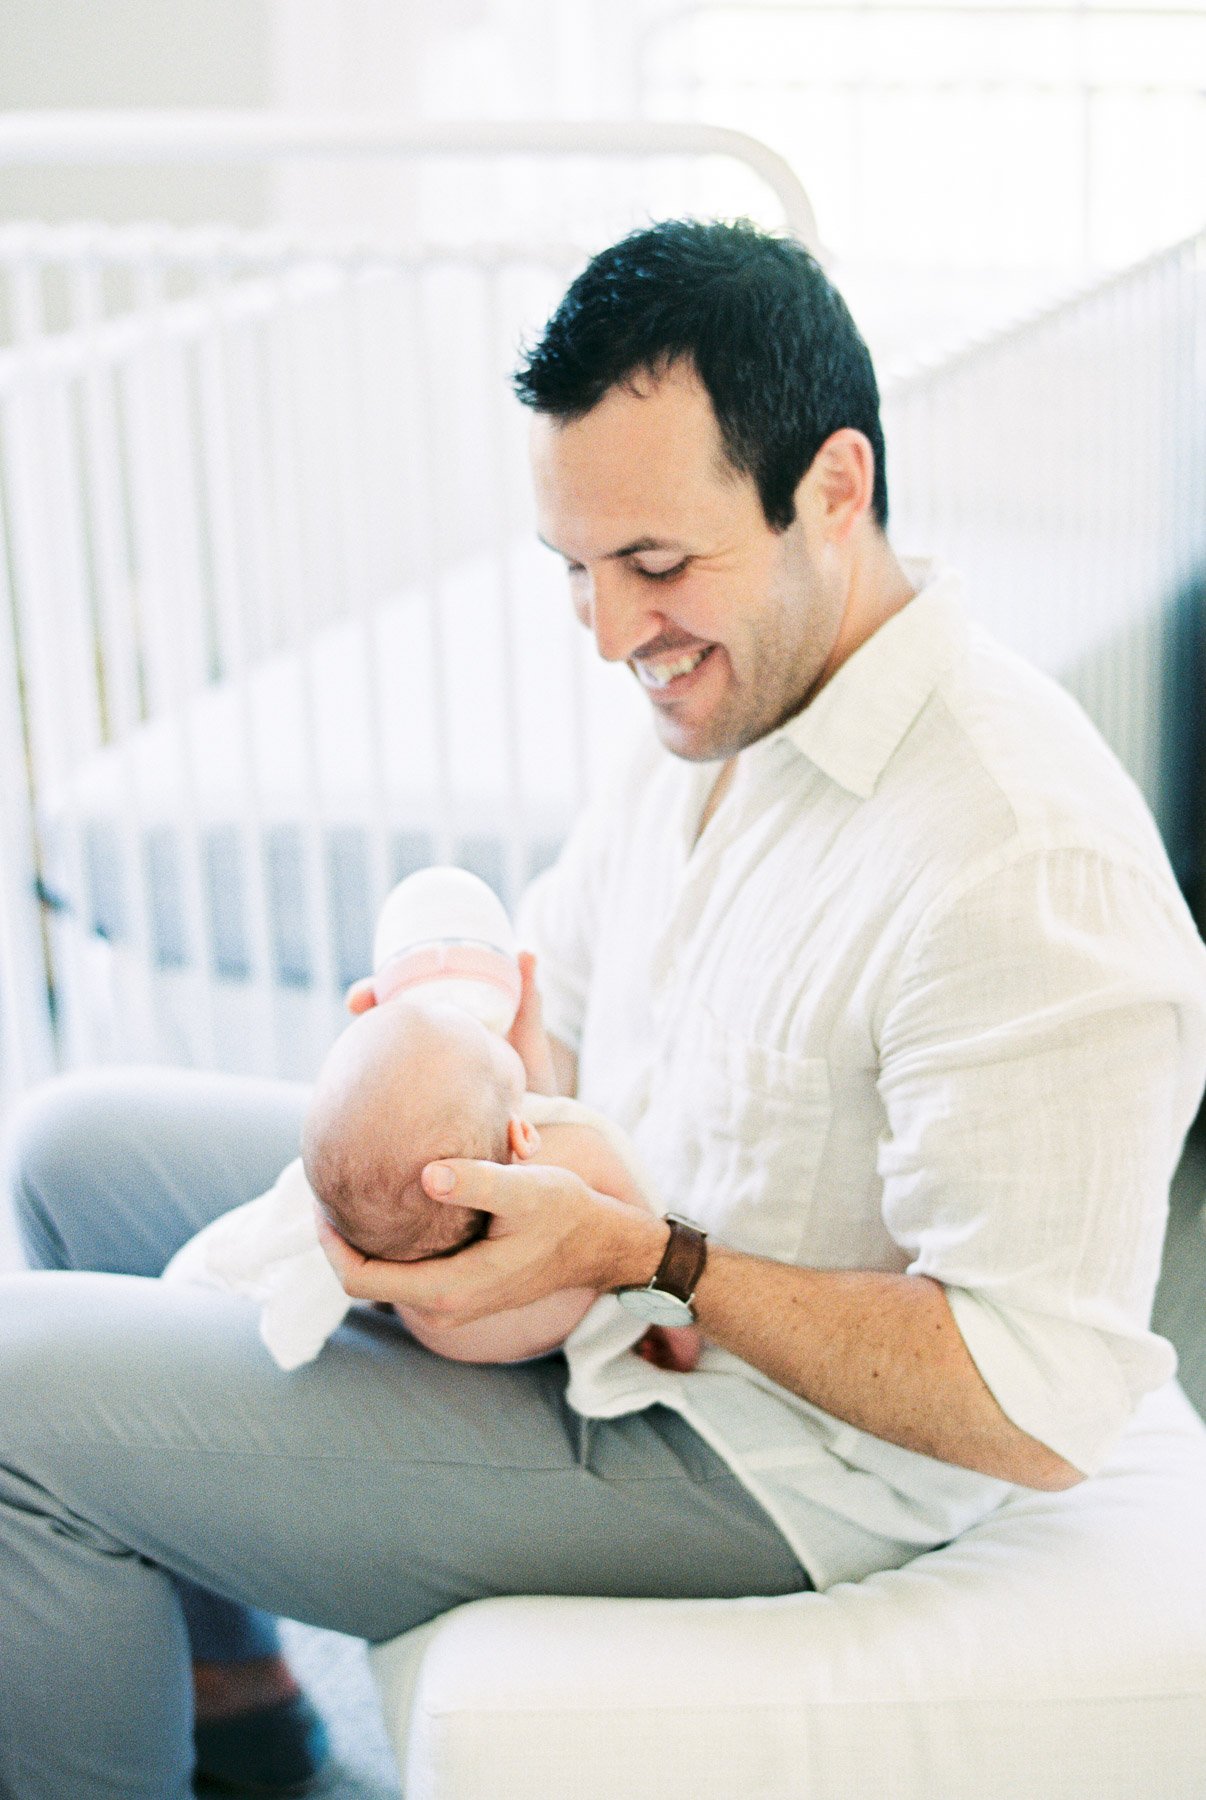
39 1139
43 1373
110 1352
56 1133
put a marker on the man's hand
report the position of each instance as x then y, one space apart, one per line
548 1231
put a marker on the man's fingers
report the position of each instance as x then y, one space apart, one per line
429 1287
373 1278
492 1187
343 1257
529 1251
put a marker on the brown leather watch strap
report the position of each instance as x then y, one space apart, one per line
683 1259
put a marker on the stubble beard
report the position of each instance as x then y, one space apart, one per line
734 726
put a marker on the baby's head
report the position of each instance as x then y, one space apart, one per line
406 1085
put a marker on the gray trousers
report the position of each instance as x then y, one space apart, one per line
165 1490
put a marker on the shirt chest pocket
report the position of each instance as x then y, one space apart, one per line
744 1131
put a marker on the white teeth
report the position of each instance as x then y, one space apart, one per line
656 675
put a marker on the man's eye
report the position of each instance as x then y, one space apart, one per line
661 574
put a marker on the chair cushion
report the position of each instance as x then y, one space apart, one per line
1056 1650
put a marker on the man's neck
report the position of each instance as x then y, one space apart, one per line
879 588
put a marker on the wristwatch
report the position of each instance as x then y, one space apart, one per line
666 1300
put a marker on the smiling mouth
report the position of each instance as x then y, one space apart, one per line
658 674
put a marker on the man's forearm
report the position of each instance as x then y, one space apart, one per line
879 1351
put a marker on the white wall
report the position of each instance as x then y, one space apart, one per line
442 59
118 53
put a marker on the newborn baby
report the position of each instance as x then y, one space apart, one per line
404 1085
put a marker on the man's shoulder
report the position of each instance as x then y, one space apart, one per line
1001 786
1009 759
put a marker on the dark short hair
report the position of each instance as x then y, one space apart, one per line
768 334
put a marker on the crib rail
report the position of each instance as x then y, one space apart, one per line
136 137
1062 466
678 165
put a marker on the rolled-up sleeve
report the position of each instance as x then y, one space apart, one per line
1042 1056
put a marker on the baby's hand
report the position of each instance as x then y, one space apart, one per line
361 997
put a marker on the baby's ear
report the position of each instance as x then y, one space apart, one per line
525 1139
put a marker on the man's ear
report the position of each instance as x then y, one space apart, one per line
524 1138
840 483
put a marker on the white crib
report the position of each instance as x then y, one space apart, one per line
274 627
280 626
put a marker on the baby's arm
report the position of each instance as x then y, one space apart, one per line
507 1337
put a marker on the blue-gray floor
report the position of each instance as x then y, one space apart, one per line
335 1672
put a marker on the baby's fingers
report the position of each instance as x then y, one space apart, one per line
528 1036
361 997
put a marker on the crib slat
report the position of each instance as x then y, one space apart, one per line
287 375
30 1051
169 599
428 473
353 377
58 708
222 500
502 527
373 358
117 648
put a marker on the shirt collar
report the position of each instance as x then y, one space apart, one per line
859 718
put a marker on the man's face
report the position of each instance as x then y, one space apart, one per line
728 626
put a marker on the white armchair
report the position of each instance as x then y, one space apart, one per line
1056 1652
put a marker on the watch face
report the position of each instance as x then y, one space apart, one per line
655 1307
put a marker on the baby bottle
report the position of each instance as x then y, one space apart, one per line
442 934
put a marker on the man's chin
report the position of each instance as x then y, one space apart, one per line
707 740
689 745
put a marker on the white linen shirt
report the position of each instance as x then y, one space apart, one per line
923 997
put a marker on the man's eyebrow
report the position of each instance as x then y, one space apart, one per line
638 544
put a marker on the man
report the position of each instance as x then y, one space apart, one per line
882 966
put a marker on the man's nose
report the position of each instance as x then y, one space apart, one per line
618 613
